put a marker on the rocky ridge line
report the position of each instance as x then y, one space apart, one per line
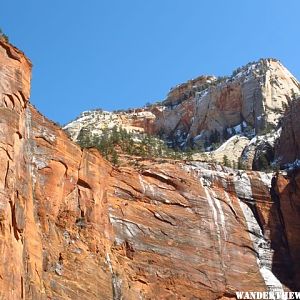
73 226
205 112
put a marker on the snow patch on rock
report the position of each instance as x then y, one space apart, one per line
263 248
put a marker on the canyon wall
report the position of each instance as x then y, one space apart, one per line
287 199
253 98
74 227
287 149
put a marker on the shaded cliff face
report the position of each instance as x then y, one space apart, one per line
72 226
287 195
287 149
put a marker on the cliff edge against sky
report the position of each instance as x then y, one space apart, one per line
72 226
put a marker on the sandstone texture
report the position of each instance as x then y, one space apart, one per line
137 121
287 198
207 111
287 149
188 90
253 98
74 227
231 150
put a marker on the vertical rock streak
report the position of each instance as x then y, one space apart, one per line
171 234
220 213
243 191
115 280
216 213
260 244
211 204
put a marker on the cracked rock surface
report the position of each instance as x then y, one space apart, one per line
74 227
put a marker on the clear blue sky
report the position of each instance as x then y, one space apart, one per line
123 53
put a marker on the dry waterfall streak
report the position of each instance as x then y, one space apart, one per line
221 214
260 244
74 226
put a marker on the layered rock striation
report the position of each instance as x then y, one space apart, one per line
74 227
245 109
210 109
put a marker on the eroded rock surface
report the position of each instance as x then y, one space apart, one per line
287 149
238 116
255 97
287 195
74 227
209 109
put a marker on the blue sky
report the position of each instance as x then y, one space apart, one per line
117 54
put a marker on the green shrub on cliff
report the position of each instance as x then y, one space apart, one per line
117 140
3 36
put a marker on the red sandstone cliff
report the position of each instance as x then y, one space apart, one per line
74 227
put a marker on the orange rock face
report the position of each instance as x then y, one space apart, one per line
15 72
74 227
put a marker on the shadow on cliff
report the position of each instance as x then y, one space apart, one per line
284 266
